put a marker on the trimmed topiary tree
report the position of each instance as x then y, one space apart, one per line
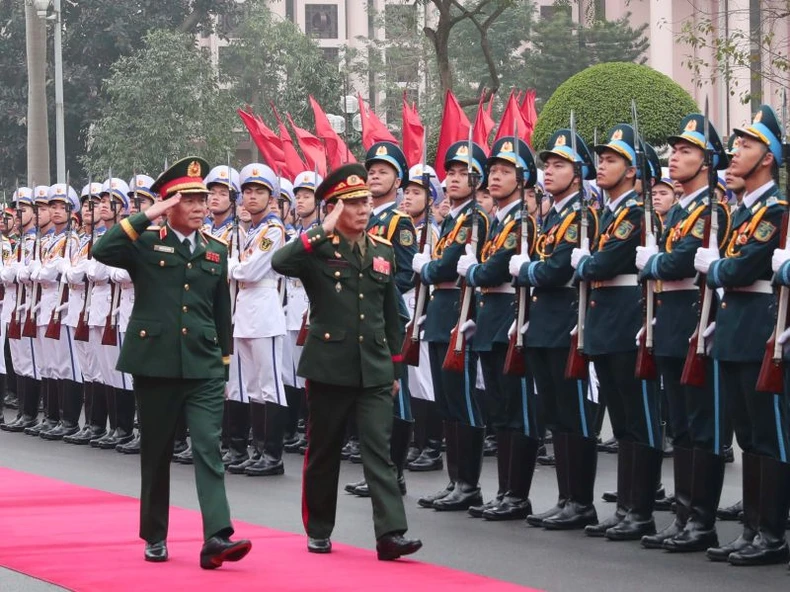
601 97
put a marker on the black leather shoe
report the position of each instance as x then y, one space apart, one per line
599 530
732 512
656 541
537 519
728 454
392 546
319 545
427 500
692 540
761 552
156 552
665 504
218 550
413 453
477 511
723 553
573 516
490 447
131 447
11 401
610 446
351 487
362 490
546 460
293 447
185 458
428 460
461 498
511 508
84 436
60 432
180 446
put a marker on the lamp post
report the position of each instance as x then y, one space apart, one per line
42 10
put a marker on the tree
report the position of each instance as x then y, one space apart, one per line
560 48
164 102
13 96
601 97
271 60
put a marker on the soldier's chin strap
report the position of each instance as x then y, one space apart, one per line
756 165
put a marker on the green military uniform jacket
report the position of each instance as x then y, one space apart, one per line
180 325
355 334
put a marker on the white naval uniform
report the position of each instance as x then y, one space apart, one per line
295 308
259 321
123 282
23 350
9 300
77 280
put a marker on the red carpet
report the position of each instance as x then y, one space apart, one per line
86 540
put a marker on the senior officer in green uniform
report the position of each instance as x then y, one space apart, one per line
177 348
351 359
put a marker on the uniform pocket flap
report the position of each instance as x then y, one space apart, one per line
143 329
210 267
326 333
211 335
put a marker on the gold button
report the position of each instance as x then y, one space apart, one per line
161 264
143 333
360 276
724 305
658 303
481 304
184 309
186 287
361 339
362 317
327 336
534 299
184 331
361 296
592 303
189 266
337 274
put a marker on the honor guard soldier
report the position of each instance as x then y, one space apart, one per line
613 317
354 341
464 430
177 351
285 202
296 309
387 171
7 383
224 199
695 413
512 401
743 325
552 310
28 385
259 327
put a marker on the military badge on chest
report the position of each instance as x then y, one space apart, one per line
381 265
213 257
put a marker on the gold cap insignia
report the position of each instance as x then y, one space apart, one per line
194 169
255 172
42 193
463 151
223 174
758 117
354 180
381 151
140 182
691 126
617 135
507 147
113 184
561 141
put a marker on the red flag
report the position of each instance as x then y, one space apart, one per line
529 112
293 162
455 127
484 124
373 130
510 116
336 151
266 140
312 148
413 134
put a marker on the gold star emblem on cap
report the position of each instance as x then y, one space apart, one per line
223 174
691 126
255 172
758 117
561 141
507 147
354 180
617 135
194 169
381 150
463 151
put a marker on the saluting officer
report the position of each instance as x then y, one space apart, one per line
567 409
351 358
744 321
695 414
613 318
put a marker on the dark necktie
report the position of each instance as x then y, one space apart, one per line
187 245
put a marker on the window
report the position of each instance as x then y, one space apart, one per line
600 10
321 21
289 10
227 24
550 11
331 55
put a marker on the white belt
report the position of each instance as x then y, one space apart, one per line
502 289
758 287
619 281
447 286
258 284
676 286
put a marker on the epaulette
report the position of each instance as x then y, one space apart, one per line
380 239
208 235
403 215
632 203
153 227
775 201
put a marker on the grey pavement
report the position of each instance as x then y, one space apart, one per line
511 551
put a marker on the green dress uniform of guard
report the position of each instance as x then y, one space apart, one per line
177 348
351 359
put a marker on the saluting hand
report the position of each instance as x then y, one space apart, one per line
160 207
331 219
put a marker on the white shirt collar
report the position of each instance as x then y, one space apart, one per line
500 214
190 238
614 204
455 211
378 209
687 199
749 199
559 205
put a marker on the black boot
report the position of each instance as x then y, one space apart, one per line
107 393
625 467
769 546
699 533
294 399
466 492
124 420
95 415
563 480
683 468
257 423
271 460
451 439
53 406
733 512
239 427
503 444
399 447
515 504
646 475
70 397
580 462
46 391
28 417
12 426
751 509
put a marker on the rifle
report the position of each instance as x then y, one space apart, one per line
577 366
645 360
29 328
515 363
454 360
411 344
301 337
771 377
53 327
234 241
15 326
694 366
110 334
82 330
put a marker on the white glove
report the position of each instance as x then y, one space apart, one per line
709 330
33 268
780 256
421 320
516 261
524 328
63 265
233 263
643 255
23 274
639 334
704 257
420 260
120 276
469 328
580 253
512 330
574 331
48 273
784 336
8 274
466 261
76 273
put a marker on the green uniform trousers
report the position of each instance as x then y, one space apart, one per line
330 407
160 401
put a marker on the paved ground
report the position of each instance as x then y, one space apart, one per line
509 551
